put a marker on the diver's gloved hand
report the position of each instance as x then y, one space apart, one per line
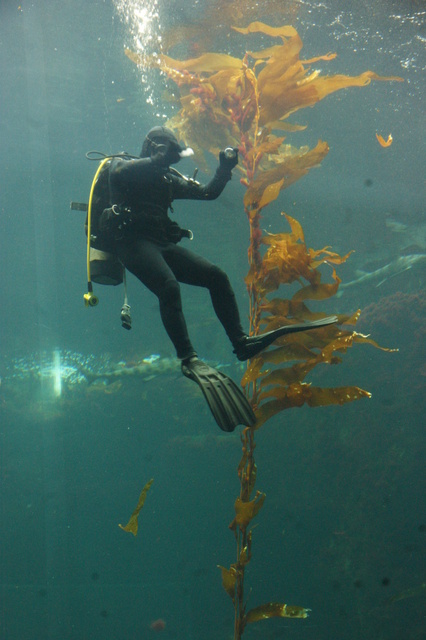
228 158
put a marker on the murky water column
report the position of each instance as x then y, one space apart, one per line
44 245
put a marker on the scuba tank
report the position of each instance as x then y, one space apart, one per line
105 267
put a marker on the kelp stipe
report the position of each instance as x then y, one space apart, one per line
227 101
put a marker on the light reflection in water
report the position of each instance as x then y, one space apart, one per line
142 18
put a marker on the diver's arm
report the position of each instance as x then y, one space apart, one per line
188 189
184 188
133 170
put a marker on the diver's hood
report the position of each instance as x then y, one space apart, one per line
163 135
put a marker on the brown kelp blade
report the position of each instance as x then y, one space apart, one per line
132 525
275 610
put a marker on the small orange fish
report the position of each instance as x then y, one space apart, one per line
383 142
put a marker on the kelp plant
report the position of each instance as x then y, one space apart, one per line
227 101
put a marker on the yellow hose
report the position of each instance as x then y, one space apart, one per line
89 298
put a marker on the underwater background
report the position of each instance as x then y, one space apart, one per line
343 528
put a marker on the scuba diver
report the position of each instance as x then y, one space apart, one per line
146 242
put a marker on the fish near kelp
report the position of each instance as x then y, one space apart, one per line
379 276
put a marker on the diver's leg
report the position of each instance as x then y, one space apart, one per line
144 259
190 268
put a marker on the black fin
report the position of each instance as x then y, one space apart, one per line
250 347
226 400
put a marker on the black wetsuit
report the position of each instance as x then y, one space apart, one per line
148 247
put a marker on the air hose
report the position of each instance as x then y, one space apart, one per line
90 300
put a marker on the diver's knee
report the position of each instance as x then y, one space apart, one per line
170 293
219 279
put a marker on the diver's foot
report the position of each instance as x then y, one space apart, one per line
249 347
187 362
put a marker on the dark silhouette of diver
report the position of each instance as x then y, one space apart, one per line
147 244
